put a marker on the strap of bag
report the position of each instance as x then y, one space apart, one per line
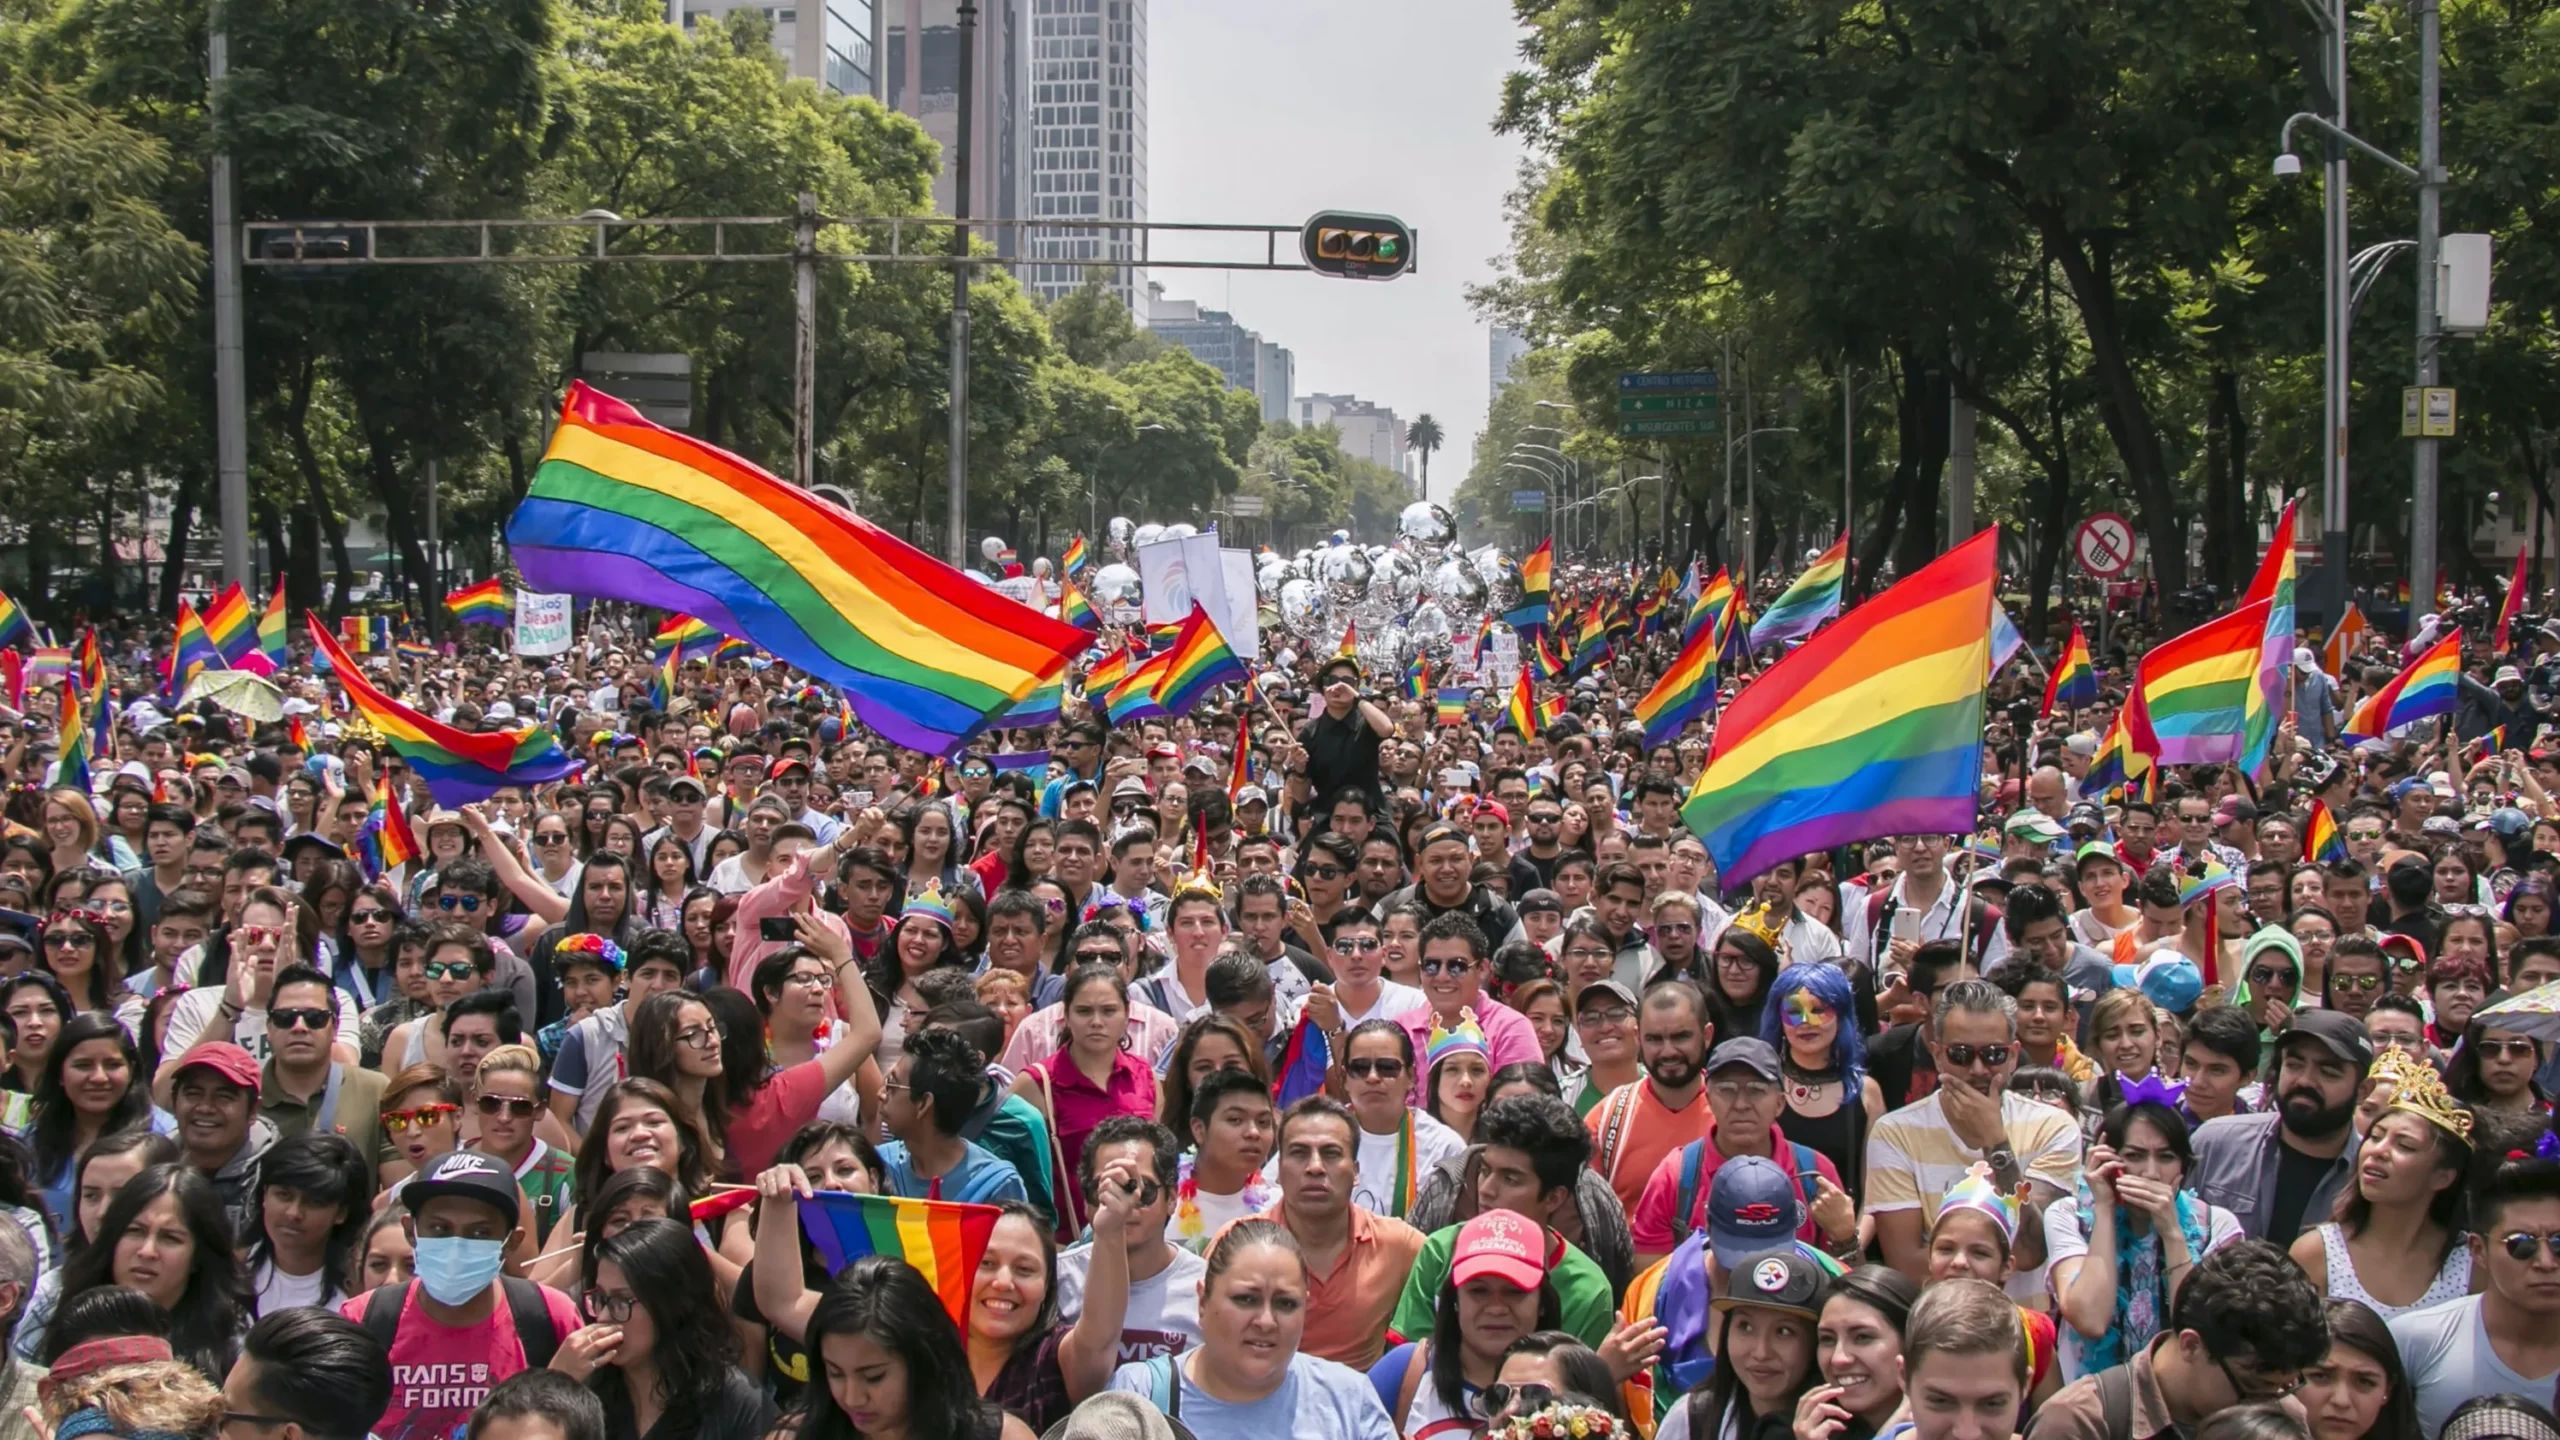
533 1321
2115 1400
1414 1369
1066 1206
1693 1159
382 1312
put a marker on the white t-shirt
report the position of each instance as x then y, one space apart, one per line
2446 1348
194 1010
279 1291
1393 1000
1164 1309
1433 1142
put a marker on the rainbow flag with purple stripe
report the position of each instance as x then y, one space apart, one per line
1302 1065
941 1239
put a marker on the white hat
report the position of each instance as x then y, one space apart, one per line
499 710
2303 659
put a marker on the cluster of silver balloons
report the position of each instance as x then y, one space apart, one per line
1419 596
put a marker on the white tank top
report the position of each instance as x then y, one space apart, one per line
2451 1283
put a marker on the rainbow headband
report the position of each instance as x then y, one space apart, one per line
929 904
1467 1039
1976 1192
589 947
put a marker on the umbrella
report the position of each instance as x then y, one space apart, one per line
237 691
2535 1013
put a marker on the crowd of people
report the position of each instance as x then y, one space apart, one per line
1429 1082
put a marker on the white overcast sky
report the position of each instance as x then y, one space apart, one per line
1264 113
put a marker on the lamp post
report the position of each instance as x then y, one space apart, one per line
1093 481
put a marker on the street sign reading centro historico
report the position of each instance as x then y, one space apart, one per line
1668 404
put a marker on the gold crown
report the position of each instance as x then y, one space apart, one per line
1755 920
2417 1089
1197 883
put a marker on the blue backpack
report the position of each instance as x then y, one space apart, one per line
1693 1161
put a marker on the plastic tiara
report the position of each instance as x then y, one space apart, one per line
1468 1037
929 903
2151 1089
2418 1090
1196 883
1754 920
1976 1192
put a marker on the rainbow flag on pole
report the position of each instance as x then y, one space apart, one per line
1871 728
1073 560
194 650
481 604
1198 660
622 509
14 624
458 765
2074 680
2322 840
1537 577
942 1240
72 735
2431 686
1302 1066
271 629
1521 712
2124 756
230 625
1134 697
2197 688
1812 599
2273 587
2513 605
1686 691
1075 609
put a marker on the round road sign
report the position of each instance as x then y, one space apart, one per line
2105 545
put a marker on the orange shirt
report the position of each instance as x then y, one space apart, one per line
1632 1130
1347 1309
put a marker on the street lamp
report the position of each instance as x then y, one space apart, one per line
1093 481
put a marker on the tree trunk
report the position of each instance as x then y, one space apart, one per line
302 581
2121 404
108 598
271 530
2219 504
182 519
383 469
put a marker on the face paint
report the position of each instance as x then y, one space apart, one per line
1804 1009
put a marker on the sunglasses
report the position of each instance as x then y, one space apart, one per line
2507 1049
368 917
425 1117
1099 957
467 904
508 1105
1386 1069
1323 872
550 839
1962 1057
1447 967
297 1018
2269 975
451 970
1525 1399
2355 984
70 940
1361 944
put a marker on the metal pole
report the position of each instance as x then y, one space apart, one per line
1725 533
2339 319
1848 445
230 382
1750 487
804 347
2422 520
959 446
433 601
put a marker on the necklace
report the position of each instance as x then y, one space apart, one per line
1804 1087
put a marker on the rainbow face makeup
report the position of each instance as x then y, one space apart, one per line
1803 1009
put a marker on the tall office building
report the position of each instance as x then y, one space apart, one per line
1506 346
1250 363
843 60
920 76
1366 429
1088 78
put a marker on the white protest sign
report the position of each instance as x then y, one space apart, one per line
542 623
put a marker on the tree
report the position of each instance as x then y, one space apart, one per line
1423 436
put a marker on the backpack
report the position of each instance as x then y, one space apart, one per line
1693 1161
524 1302
1163 1386
2115 1401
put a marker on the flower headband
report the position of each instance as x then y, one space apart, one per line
595 947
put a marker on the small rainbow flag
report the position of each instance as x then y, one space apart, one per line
1450 705
457 765
1686 691
731 648
1537 574
272 628
2322 840
1106 673
1302 1066
1521 712
1028 762
14 624
662 681
2431 686
1417 679
51 664
1240 760
691 638
2124 756
1350 649
1542 657
2074 681
942 1240
1134 698
414 650
1073 560
1710 610
93 663
72 734
1812 599
1197 660
1075 609
481 604
194 652
229 624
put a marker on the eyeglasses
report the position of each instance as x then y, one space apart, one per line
368 917
467 904
2518 1049
812 979
1729 961
521 1109
2520 1245
69 940
1098 957
1729 1090
425 1117
451 970
1524 1399
1358 944
1613 1015
1386 1069
1962 1057
2354 984
697 1037
2270 975
1674 927
1447 967
298 1018
612 1309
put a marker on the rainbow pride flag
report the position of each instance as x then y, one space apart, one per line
2006 638
271 629
14 624
1027 762
458 765
1804 605
482 604
1521 711
1871 728
1075 609
51 664
2197 688
1542 657
622 509
2513 605
229 623
2273 587
1686 691
389 843
662 681
1449 706
2322 840
1300 1072
1537 577
1198 661
72 734
2074 680
1709 612
688 637
1106 673
1350 649
194 650
2124 755
1036 709
1417 678
942 1240
1073 560
92 662
1240 756
1134 698
2431 686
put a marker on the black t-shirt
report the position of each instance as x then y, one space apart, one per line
1528 872
1342 754
1896 1059
2297 1175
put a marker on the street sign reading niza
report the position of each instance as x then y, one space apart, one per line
1641 403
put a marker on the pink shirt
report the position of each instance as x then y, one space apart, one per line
775 896
759 1128
1081 1105
1509 1039
1650 1221
439 1374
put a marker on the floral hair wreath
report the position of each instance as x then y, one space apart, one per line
602 950
1561 1420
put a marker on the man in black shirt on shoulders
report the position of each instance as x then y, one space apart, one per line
1342 740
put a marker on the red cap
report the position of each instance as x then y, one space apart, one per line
224 1059
1494 808
1503 1244
782 763
1163 752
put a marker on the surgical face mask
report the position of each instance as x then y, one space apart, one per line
456 1270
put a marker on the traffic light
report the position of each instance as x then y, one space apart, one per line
1357 247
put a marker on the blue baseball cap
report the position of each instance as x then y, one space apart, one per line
1751 1209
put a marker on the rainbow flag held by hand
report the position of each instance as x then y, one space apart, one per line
1302 1066
2322 840
1537 576
1521 713
943 1240
1134 697
2197 688
194 651
230 625
72 734
1812 599
1449 707
1686 691
1871 728
2074 681
458 765
623 509
481 604
1075 609
14 624
1197 662
2431 686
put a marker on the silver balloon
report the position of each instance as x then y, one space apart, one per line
1181 530
1148 534
1115 586
1396 573
1346 572
1302 610
1457 587
1501 581
1339 537
1121 530
1268 580
1430 630
1040 566
1383 650
1424 523
991 547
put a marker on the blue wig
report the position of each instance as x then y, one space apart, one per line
1829 985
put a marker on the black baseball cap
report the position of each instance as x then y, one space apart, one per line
467 1175
2334 1032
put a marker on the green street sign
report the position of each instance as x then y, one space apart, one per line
1669 426
1666 404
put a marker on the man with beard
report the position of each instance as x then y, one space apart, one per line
2274 1168
1663 1109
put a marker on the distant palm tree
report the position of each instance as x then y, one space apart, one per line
1425 435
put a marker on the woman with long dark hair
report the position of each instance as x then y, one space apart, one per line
36 1004
368 951
99 1175
1492 1298
166 1235
656 1348
670 879
769 1102
2359 1390
2396 1243
676 1042
2121 1250
110 899
2494 1068
75 949
889 1354
1765 1323
1858 1347
311 1191
93 1085
1741 972
1090 1080
932 839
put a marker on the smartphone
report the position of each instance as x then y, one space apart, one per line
1906 924
779 928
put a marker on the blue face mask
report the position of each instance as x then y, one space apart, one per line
456 1270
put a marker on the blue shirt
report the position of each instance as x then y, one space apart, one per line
1319 1397
979 1179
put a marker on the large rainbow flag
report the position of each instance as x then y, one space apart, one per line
2198 688
2431 686
943 1240
1134 697
1871 728
2124 756
1537 576
481 604
1712 607
230 624
458 765
1804 605
1686 691
625 510
1198 661
2074 680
